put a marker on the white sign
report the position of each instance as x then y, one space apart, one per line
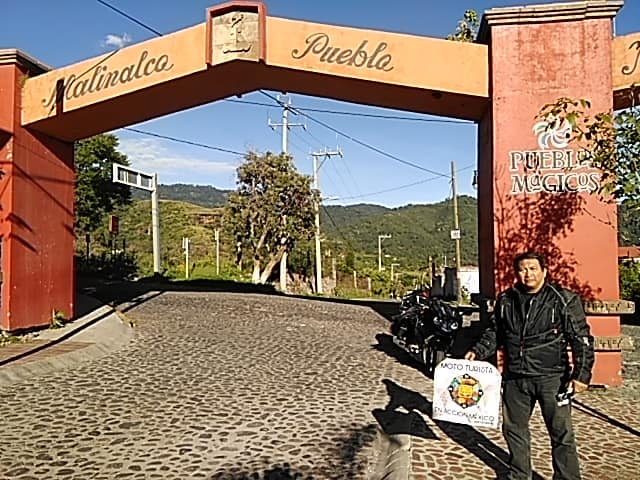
467 392
455 234
133 178
552 168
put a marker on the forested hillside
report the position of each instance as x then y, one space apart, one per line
417 231
177 220
203 195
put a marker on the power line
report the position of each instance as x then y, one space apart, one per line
310 145
356 114
332 166
186 142
129 17
400 187
60 94
105 58
346 240
393 189
335 130
316 110
301 111
360 142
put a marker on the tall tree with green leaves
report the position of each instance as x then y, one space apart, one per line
610 141
270 189
96 194
628 225
467 28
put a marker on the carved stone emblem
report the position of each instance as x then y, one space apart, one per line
236 35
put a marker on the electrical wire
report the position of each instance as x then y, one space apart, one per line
279 102
355 140
108 56
301 112
399 187
186 142
335 225
393 189
357 114
129 17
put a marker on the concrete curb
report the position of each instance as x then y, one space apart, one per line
102 329
394 456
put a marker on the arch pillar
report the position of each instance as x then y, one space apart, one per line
536 55
36 210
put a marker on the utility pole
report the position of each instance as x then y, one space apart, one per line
455 233
217 236
393 265
286 106
380 238
186 245
155 225
316 186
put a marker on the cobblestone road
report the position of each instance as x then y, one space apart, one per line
216 386
237 386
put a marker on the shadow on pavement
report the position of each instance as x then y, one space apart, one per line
385 345
118 292
584 408
467 437
283 472
410 422
347 450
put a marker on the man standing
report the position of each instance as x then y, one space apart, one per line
534 322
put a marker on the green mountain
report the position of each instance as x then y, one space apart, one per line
177 220
203 195
417 231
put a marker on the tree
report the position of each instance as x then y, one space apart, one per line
609 141
630 280
467 28
628 225
269 191
96 194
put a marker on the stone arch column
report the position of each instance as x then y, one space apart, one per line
36 209
536 55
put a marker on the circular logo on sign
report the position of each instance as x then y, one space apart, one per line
465 390
553 133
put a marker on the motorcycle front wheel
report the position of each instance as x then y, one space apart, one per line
431 358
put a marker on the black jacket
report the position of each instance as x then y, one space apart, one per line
536 343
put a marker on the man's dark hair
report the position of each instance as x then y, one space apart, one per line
530 255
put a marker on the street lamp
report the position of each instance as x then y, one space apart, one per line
393 265
380 238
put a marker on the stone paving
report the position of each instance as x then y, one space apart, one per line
607 425
244 386
216 386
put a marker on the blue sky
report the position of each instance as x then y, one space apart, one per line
63 32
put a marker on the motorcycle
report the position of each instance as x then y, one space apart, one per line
426 328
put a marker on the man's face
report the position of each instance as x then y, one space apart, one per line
531 275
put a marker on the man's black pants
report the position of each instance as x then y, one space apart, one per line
519 396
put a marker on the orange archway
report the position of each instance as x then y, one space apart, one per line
525 57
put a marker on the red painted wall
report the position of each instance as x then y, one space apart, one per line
532 65
36 220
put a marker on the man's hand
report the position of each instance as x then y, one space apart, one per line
579 387
470 355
